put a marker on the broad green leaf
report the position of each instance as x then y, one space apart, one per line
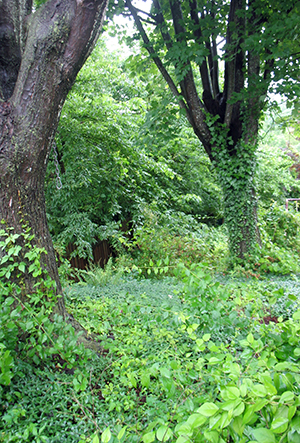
231 392
259 390
291 412
206 337
279 425
165 372
149 437
164 433
9 301
212 436
263 435
196 420
250 338
208 409
243 390
21 267
230 405
184 429
145 380
296 315
295 424
281 366
259 404
287 397
238 410
106 436
293 437
238 426
132 379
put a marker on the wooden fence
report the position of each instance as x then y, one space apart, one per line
101 254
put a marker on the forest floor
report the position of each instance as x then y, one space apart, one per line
175 351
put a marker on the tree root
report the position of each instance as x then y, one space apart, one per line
90 341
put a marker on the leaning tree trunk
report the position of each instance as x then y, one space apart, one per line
40 57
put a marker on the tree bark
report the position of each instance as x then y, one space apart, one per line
41 54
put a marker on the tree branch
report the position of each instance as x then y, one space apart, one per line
199 39
12 40
234 66
154 56
162 24
188 87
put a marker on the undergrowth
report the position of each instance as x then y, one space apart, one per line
190 358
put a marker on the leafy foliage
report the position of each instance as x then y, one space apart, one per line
177 363
115 160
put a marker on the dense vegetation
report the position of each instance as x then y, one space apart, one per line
195 346
197 357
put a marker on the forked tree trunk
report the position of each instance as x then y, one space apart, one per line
41 54
225 120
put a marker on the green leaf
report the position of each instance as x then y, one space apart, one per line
259 390
145 380
184 429
164 433
95 439
279 425
208 409
282 366
250 338
238 426
149 437
21 267
263 435
196 420
106 436
165 372
183 439
287 397
121 433
9 301
132 379
296 315
297 352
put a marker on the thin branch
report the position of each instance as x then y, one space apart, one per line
199 39
146 20
154 55
144 12
162 25
214 72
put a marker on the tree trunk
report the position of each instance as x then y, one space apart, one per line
40 57
235 166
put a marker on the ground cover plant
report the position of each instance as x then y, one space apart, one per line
190 358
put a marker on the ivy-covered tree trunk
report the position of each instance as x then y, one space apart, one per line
190 42
41 53
236 170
